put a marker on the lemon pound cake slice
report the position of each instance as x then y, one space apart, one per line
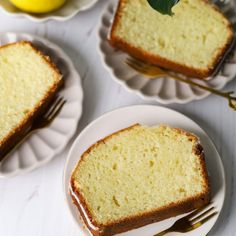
28 81
138 176
191 42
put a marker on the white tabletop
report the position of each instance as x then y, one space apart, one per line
33 204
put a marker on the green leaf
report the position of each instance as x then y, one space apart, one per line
163 6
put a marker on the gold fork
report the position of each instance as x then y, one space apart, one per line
40 122
191 221
154 72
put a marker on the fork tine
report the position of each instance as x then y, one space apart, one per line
133 64
136 61
202 214
131 59
201 222
53 106
140 63
143 70
56 111
143 64
194 213
136 67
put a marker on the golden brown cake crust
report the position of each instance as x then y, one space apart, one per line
140 220
18 133
163 62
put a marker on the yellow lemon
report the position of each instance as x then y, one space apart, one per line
38 6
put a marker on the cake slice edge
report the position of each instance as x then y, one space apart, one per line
136 221
148 57
17 133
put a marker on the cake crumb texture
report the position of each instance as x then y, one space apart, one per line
27 78
191 41
139 170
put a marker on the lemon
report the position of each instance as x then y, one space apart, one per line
38 6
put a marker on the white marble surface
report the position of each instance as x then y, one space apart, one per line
33 204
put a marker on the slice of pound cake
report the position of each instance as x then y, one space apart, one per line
192 41
28 81
138 176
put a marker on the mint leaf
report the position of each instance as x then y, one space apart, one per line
163 6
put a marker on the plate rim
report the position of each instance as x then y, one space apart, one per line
145 97
57 151
32 18
88 126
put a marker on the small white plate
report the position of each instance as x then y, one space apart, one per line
147 115
66 12
43 145
162 90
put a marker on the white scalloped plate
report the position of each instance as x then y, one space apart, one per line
43 145
162 90
146 115
66 12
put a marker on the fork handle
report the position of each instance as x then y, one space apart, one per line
164 232
209 89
